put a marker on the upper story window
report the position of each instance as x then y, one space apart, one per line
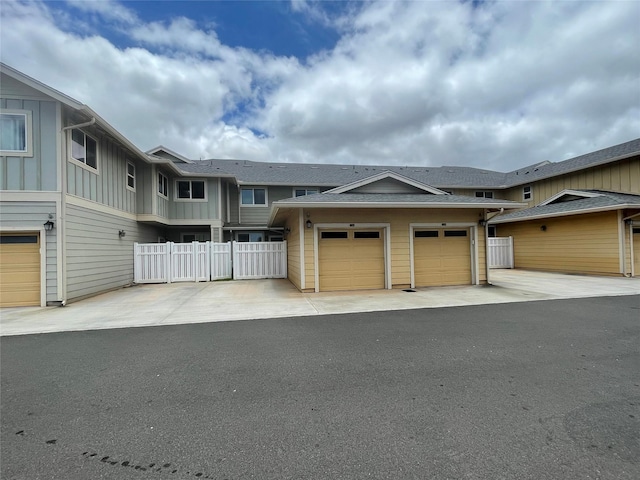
84 149
163 185
527 192
15 129
254 196
299 192
131 176
190 190
484 194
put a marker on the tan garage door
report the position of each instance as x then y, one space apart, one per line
19 270
351 260
441 257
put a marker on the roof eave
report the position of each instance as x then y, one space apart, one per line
497 220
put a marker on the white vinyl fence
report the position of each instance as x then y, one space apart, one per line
203 261
501 252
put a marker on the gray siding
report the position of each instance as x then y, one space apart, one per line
387 185
97 258
234 201
34 215
107 185
36 173
251 215
208 210
145 188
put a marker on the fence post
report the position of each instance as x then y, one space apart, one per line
167 263
234 260
512 260
136 267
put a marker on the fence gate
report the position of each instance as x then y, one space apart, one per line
204 261
253 260
501 252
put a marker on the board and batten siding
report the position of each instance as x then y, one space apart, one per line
587 243
97 258
194 209
33 215
258 215
622 176
108 184
146 188
37 172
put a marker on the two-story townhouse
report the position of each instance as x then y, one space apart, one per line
75 195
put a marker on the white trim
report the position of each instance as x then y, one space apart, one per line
353 226
303 271
306 189
608 208
42 240
473 245
29 196
253 205
61 185
28 127
145 217
577 193
127 174
530 193
77 162
631 253
383 175
153 151
191 199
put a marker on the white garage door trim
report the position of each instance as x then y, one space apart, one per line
473 245
43 256
353 226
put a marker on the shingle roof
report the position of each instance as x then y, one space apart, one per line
604 201
332 175
394 199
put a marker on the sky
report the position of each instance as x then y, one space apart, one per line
487 84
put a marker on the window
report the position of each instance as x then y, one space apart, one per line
492 231
455 233
250 237
484 194
366 234
299 192
163 185
190 190
84 149
131 176
527 193
15 129
425 233
327 235
253 196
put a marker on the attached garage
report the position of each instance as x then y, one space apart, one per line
351 259
20 269
441 257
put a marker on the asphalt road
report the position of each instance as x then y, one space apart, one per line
538 390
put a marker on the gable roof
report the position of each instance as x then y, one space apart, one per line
594 201
170 154
383 176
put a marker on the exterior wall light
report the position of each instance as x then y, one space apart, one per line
48 225
121 233
308 224
543 228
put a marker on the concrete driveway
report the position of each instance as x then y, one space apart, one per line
182 303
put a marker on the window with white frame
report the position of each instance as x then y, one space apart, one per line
300 192
15 133
251 237
131 176
484 194
190 190
253 196
527 193
163 185
84 149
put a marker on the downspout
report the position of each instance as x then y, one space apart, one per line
63 203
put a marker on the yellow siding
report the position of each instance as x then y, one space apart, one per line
293 249
574 244
399 221
636 254
622 176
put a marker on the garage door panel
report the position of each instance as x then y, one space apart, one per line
19 270
442 259
352 263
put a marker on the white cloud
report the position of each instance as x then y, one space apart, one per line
499 86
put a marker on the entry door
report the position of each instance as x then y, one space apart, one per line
441 257
351 259
19 269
